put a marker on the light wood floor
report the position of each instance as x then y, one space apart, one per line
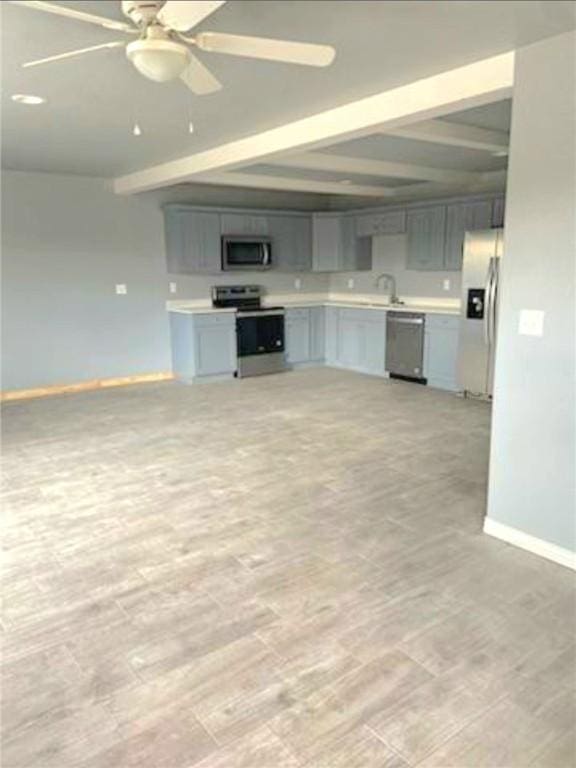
284 572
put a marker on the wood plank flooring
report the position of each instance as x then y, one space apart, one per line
279 572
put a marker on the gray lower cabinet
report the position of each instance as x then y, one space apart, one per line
192 241
461 218
305 336
425 228
203 345
291 242
356 339
441 351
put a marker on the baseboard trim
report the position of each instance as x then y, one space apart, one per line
530 543
82 386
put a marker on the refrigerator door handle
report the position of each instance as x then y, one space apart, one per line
487 302
493 302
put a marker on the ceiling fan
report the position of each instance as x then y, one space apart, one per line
162 50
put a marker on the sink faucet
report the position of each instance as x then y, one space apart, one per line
391 280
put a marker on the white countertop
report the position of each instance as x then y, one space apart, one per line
357 301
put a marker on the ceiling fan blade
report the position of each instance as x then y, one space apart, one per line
72 54
183 15
199 78
71 13
266 48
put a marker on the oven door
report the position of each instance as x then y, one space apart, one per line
260 334
242 254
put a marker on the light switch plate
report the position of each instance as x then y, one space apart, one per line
350 283
121 289
173 287
298 283
531 322
446 284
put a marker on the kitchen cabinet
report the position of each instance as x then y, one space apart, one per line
373 224
304 335
244 224
441 351
326 243
498 208
461 218
192 241
291 242
425 229
203 345
356 339
331 317
336 246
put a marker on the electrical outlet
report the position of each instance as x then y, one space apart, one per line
298 283
350 283
121 289
446 284
172 287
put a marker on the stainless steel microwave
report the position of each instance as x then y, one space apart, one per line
241 253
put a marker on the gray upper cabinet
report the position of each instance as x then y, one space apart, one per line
461 218
192 241
244 224
426 229
326 243
498 212
373 224
337 246
291 242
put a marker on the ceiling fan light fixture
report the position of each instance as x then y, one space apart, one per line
159 60
28 99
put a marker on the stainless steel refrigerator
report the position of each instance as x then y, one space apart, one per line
483 250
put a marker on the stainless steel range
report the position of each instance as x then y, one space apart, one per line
260 330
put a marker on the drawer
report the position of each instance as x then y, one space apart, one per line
224 318
295 314
443 321
363 315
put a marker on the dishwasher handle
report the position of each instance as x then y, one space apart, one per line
407 320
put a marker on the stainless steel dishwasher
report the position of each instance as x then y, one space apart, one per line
405 345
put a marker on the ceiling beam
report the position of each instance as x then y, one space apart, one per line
462 88
318 161
453 135
264 181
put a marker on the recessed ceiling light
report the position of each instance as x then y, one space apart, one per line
190 127
28 99
137 131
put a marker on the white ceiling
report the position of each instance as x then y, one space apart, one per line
93 102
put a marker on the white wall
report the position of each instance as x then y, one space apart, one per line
389 255
533 453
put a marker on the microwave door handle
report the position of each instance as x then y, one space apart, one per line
266 261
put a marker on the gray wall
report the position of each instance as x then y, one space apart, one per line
389 255
66 242
533 454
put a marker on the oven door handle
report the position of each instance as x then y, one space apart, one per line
271 313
